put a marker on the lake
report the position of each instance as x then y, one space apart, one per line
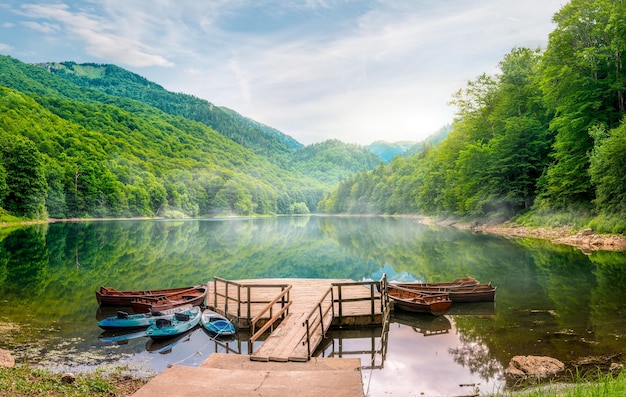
551 300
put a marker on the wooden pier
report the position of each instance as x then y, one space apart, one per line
299 312
287 319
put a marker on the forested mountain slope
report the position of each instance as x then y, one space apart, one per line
330 167
544 135
70 151
120 82
332 161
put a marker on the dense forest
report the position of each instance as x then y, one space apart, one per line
104 150
544 135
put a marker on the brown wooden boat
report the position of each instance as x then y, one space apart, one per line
194 296
465 289
107 296
419 302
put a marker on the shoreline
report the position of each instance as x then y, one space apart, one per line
586 240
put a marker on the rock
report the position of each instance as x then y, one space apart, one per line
586 232
6 359
68 378
533 367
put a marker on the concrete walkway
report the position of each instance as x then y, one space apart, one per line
236 375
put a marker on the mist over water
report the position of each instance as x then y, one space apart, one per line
551 300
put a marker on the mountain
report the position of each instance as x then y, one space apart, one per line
430 141
320 160
388 150
96 140
71 151
120 82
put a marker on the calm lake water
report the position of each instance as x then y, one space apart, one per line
551 300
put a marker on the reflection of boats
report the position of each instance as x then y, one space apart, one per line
419 302
180 323
473 309
425 325
112 297
194 296
164 346
124 320
216 324
121 335
466 289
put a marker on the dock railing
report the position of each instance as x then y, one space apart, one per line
315 319
382 297
236 300
273 317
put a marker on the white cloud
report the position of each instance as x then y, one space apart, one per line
97 33
41 27
5 47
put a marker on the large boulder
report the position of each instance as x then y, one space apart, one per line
522 367
6 359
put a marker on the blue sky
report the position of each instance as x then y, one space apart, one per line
355 70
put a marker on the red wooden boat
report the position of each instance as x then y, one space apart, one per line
107 296
194 296
465 289
419 302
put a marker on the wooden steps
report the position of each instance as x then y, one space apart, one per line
235 375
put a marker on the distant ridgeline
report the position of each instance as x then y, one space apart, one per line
99 141
544 139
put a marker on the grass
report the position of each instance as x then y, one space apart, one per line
599 384
25 381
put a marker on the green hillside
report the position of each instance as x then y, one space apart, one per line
116 81
71 151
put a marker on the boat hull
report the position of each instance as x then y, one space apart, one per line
460 290
194 297
216 324
417 302
176 325
107 296
125 320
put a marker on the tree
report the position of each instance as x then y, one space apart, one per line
608 168
583 84
25 178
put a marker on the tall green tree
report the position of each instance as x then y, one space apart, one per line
25 178
584 84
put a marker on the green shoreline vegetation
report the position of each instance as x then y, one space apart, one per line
27 381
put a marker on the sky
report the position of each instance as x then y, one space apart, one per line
355 70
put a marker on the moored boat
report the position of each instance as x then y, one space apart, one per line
419 302
216 324
107 296
126 320
194 297
180 323
465 289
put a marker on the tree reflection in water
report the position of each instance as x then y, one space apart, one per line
476 356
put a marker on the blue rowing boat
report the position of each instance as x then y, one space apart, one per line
125 320
181 322
217 324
